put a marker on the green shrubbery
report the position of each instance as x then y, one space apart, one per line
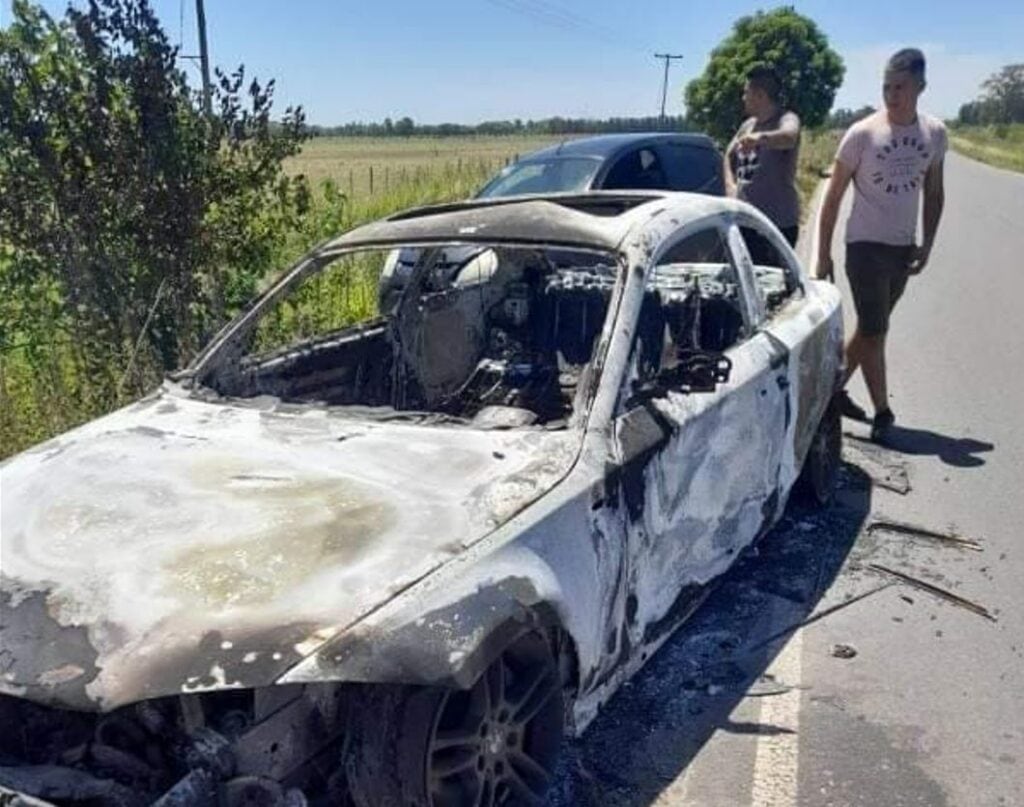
1001 144
131 223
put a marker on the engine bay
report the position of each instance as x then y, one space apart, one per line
493 337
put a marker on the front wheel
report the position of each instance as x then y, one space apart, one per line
494 744
820 475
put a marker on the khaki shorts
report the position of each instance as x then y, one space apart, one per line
878 275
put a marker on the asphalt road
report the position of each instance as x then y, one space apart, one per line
888 694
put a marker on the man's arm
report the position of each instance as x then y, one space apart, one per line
730 178
841 176
782 139
934 201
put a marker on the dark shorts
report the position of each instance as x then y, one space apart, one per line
878 275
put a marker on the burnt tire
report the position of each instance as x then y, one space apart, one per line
494 744
819 478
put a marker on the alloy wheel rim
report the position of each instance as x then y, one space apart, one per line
494 744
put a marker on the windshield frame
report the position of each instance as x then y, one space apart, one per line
224 352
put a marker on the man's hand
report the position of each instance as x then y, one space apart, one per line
918 259
825 270
749 142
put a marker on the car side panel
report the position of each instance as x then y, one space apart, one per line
809 329
710 490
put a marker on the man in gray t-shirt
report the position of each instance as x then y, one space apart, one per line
893 158
760 162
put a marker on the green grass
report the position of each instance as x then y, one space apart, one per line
817 153
1001 145
398 161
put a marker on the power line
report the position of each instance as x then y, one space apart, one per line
559 17
668 57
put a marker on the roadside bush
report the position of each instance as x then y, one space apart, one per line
131 224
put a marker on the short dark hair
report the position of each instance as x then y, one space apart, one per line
766 80
908 60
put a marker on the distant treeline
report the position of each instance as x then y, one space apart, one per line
1001 100
844 118
406 127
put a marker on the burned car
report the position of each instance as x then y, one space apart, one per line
390 557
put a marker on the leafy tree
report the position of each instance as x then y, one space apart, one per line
844 118
792 45
1002 99
129 220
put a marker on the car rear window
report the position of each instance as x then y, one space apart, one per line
557 175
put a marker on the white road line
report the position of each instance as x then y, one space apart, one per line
775 765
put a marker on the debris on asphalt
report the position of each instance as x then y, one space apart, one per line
769 693
941 593
843 651
880 465
914 531
815 617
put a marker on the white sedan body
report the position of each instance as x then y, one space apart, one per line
178 546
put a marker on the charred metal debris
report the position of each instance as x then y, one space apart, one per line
272 746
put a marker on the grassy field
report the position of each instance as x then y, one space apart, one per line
817 153
393 162
1001 145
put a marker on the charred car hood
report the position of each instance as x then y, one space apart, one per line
179 545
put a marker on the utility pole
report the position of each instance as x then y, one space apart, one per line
668 57
204 59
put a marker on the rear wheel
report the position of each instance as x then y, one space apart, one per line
820 475
494 744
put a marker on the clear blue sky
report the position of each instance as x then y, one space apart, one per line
473 60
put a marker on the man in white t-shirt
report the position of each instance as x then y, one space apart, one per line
892 157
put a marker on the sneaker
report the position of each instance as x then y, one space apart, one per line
848 408
882 425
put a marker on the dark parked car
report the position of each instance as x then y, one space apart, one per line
675 162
